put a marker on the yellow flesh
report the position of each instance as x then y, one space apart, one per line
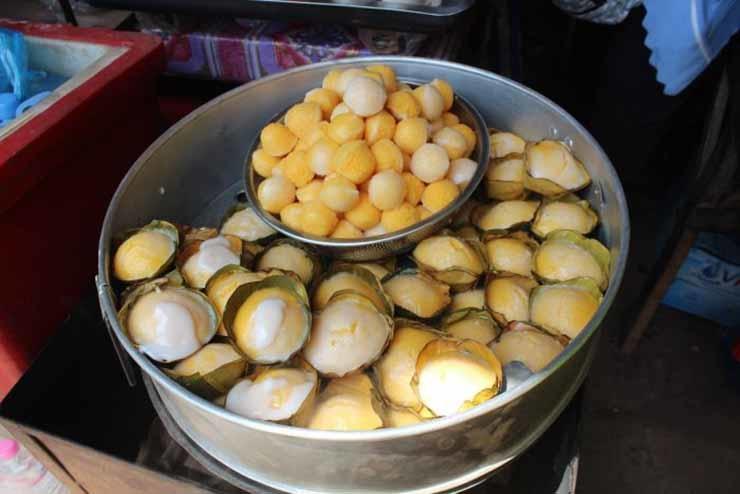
507 214
442 253
142 255
475 299
397 366
510 255
344 281
509 298
207 359
563 309
347 335
553 161
562 261
345 405
533 348
288 258
473 328
401 418
289 337
449 380
508 170
417 295
563 216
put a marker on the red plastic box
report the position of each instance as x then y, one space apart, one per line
59 167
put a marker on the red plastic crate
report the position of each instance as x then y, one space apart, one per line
58 172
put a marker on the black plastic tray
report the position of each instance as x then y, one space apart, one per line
366 13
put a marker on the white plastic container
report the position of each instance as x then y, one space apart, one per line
21 473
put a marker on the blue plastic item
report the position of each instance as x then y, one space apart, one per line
14 62
8 105
30 102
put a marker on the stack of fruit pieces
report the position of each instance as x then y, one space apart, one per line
364 155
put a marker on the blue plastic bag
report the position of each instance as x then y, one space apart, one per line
14 63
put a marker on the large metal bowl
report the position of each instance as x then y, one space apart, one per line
193 173
378 247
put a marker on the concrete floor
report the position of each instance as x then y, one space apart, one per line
664 419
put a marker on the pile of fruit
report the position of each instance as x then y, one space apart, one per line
364 155
263 326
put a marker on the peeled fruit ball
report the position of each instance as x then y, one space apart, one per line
345 78
345 229
321 155
302 118
452 141
318 219
399 218
277 140
375 231
468 134
297 169
431 101
386 73
331 80
340 109
263 163
436 125
403 105
414 188
424 213
364 96
430 163
325 98
279 169
275 193
346 127
450 119
388 156
364 215
355 161
310 191
387 190
446 91
439 195
411 134
339 193
292 215
462 171
379 126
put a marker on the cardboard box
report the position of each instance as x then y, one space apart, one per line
708 283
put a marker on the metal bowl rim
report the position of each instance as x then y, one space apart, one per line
436 219
107 297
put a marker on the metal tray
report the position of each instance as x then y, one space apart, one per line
366 13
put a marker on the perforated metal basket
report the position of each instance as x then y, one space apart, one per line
378 247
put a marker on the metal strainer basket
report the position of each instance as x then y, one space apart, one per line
378 247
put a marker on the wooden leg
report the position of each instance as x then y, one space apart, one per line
656 293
